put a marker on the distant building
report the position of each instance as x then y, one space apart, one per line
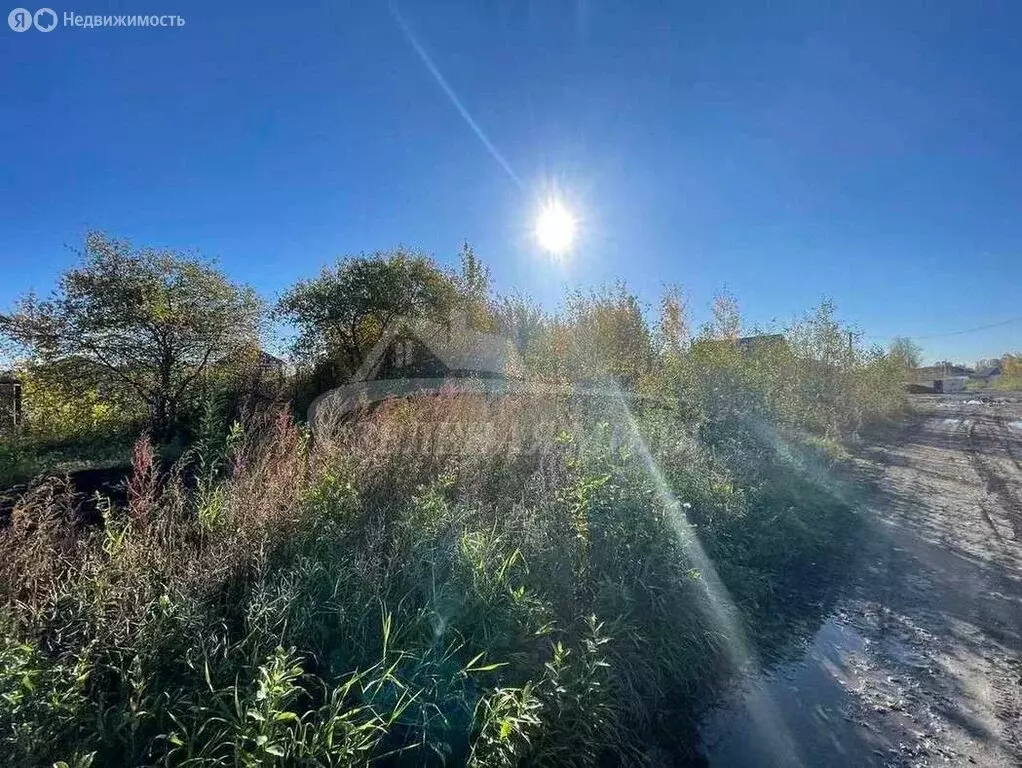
412 349
254 372
756 343
419 357
988 368
987 372
939 379
10 403
761 341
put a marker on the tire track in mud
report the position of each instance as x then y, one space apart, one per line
1008 693
963 431
967 443
1006 440
906 696
995 482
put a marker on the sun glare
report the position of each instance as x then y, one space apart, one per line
555 228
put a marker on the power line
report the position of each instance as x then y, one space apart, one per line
951 333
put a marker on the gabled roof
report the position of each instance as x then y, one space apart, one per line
457 346
264 359
252 358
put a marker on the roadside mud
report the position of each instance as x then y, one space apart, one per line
920 663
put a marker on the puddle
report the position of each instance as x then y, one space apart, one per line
950 422
1015 425
806 702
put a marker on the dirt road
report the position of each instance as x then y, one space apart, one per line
922 662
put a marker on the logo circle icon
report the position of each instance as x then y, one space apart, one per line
20 19
45 20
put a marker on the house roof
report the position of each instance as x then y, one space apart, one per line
457 346
762 338
745 342
252 356
265 360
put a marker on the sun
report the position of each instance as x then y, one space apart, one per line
555 228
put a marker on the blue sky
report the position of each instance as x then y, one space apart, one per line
869 152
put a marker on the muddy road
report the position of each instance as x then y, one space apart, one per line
921 664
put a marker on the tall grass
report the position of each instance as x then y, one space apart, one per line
447 581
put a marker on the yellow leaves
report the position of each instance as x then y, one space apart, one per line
1011 365
55 410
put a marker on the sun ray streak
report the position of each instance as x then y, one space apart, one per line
724 613
462 110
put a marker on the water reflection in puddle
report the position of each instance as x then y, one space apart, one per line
809 696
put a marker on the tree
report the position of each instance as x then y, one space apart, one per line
149 323
473 284
673 329
59 408
520 318
905 353
819 336
727 318
1011 365
607 335
342 313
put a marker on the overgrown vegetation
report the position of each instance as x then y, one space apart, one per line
539 579
70 426
1011 373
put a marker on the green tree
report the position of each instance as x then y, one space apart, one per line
342 313
905 353
819 336
673 327
146 323
473 282
727 318
58 408
521 319
608 336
